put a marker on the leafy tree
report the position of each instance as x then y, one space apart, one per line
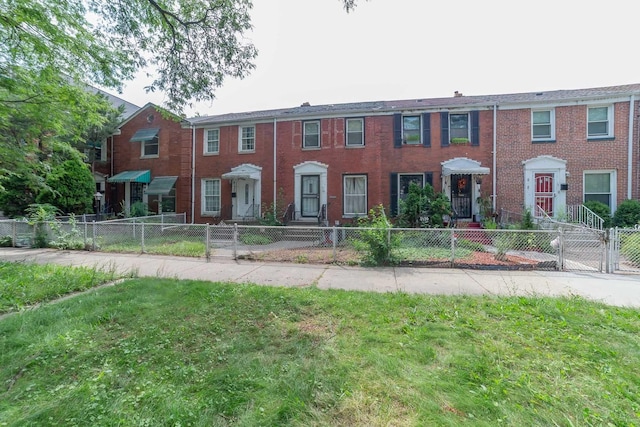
627 214
70 188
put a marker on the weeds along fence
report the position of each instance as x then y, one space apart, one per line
570 249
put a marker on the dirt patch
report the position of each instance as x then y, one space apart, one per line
345 256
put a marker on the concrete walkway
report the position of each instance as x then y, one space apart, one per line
613 289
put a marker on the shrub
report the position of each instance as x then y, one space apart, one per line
601 210
39 215
376 240
627 214
255 239
6 241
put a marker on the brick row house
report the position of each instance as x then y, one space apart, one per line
542 151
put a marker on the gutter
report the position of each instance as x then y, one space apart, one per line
630 147
275 178
193 173
494 155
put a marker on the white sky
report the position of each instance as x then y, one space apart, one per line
312 50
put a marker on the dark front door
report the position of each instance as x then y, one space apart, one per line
310 195
461 195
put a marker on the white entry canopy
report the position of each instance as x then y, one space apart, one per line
245 171
463 166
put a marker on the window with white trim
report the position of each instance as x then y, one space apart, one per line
355 195
411 131
210 196
543 125
211 141
247 139
150 148
600 122
311 134
355 132
600 187
459 127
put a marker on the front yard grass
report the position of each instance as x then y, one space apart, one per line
165 352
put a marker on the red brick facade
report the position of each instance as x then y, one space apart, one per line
247 179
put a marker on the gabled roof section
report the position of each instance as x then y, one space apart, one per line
457 102
129 108
157 109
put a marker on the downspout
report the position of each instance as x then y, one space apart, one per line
630 147
193 173
275 179
493 166
111 157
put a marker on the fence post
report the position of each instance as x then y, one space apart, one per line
389 243
235 240
560 265
85 235
453 247
93 241
334 237
207 251
14 233
142 236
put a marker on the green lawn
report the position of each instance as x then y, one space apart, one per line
165 352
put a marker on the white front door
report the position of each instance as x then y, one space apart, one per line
245 200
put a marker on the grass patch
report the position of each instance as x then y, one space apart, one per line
25 284
429 253
165 352
157 246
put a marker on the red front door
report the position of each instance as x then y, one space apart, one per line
544 193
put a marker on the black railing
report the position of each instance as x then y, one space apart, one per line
287 216
322 214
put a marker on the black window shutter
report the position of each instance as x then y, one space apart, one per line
444 129
397 130
475 127
426 129
428 178
394 194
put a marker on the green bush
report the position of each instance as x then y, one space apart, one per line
376 241
627 214
601 210
471 245
6 242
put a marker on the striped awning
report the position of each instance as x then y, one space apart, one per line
132 176
161 185
145 135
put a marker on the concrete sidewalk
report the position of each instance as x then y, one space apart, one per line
613 289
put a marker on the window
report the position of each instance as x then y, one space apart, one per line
212 141
168 203
405 181
311 137
599 186
355 132
150 147
599 122
355 195
543 125
411 130
210 196
247 139
459 127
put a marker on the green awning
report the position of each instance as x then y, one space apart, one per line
132 176
145 135
161 185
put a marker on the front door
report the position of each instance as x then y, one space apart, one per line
461 195
544 193
310 195
244 199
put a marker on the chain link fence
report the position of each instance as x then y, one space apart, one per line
564 248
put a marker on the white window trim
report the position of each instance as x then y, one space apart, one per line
149 156
346 132
202 197
613 187
240 128
404 139
468 125
610 119
304 135
344 196
205 148
552 120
